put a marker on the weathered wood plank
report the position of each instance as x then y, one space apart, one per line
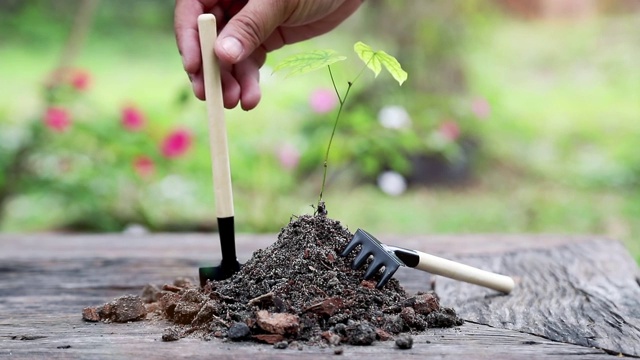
70 338
41 301
585 293
46 280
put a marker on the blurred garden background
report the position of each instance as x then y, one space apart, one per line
517 117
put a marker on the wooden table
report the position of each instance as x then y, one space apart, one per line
575 296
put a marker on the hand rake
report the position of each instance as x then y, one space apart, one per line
219 154
392 257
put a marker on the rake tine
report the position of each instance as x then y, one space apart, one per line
355 241
386 276
373 268
359 261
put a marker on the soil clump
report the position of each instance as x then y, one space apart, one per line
298 289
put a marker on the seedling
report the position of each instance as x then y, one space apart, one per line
318 59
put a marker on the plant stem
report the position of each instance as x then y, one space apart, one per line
333 132
342 101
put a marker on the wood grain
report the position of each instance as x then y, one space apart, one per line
571 296
586 294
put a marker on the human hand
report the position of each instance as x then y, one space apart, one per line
248 30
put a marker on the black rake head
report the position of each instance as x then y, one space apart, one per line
382 257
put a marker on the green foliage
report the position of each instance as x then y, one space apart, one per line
559 148
303 63
376 60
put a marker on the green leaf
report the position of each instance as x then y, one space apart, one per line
368 56
308 61
375 60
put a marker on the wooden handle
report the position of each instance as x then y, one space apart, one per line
215 108
466 273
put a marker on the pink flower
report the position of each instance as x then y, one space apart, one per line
80 80
57 119
449 130
176 143
288 156
132 118
480 108
323 100
143 166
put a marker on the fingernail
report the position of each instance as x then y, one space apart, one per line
232 47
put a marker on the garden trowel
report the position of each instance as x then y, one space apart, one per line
219 154
392 257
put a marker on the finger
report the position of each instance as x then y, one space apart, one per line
197 83
255 22
247 73
230 87
186 29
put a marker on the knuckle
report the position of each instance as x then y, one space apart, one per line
250 29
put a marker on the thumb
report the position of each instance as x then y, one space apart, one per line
251 27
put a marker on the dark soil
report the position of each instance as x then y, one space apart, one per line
297 289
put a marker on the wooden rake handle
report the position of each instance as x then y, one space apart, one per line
215 108
453 270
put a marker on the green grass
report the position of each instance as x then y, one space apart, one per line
561 141
565 96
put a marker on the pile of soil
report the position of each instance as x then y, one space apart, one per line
298 288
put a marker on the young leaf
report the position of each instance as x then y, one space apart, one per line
368 56
375 60
308 61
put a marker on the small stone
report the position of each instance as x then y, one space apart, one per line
170 334
361 334
338 351
279 323
185 312
334 339
394 324
193 295
205 314
188 306
281 345
150 293
423 303
326 307
408 315
444 318
168 301
123 309
404 342
90 314
152 307
238 331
